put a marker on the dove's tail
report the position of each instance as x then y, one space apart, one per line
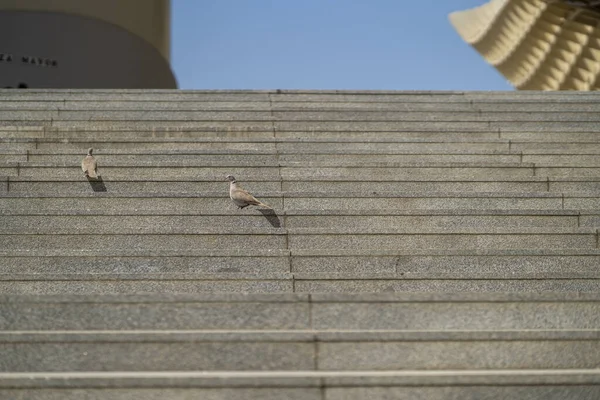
264 205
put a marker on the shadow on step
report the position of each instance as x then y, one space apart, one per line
271 216
97 184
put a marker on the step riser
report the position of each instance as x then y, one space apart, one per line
464 116
189 286
302 393
317 170
285 356
334 159
447 242
316 392
294 106
576 160
284 316
266 146
408 266
450 241
448 286
224 205
271 286
144 265
231 223
400 266
126 187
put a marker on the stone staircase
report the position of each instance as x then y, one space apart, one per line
423 245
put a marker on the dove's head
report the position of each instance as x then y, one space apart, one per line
230 178
90 151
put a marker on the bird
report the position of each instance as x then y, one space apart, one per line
89 166
241 197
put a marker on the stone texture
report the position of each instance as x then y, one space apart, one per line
533 392
384 200
160 394
167 315
174 356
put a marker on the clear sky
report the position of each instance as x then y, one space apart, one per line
325 44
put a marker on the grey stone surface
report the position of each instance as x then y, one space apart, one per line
472 265
93 285
172 224
161 394
159 160
532 392
257 240
97 202
440 316
37 185
429 202
447 285
386 200
340 158
360 223
390 144
557 171
566 143
188 315
165 173
106 264
578 185
408 186
563 160
143 356
407 171
434 355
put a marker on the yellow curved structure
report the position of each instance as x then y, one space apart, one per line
537 44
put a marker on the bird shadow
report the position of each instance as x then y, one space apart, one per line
97 184
271 216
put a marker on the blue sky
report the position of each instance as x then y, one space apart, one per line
325 44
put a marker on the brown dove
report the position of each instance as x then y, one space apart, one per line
240 197
88 165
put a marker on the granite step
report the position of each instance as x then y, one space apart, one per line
159 104
339 158
311 238
50 185
87 351
410 263
305 312
373 221
219 202
548 384
466 116
288 170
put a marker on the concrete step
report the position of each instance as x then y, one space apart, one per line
49 185
466 116
59 351
158 104
311 238
339 158
272 145
373 221
548 384
411 263
509 129
219 203
187 130
375 96
274 282
297 170
285 312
